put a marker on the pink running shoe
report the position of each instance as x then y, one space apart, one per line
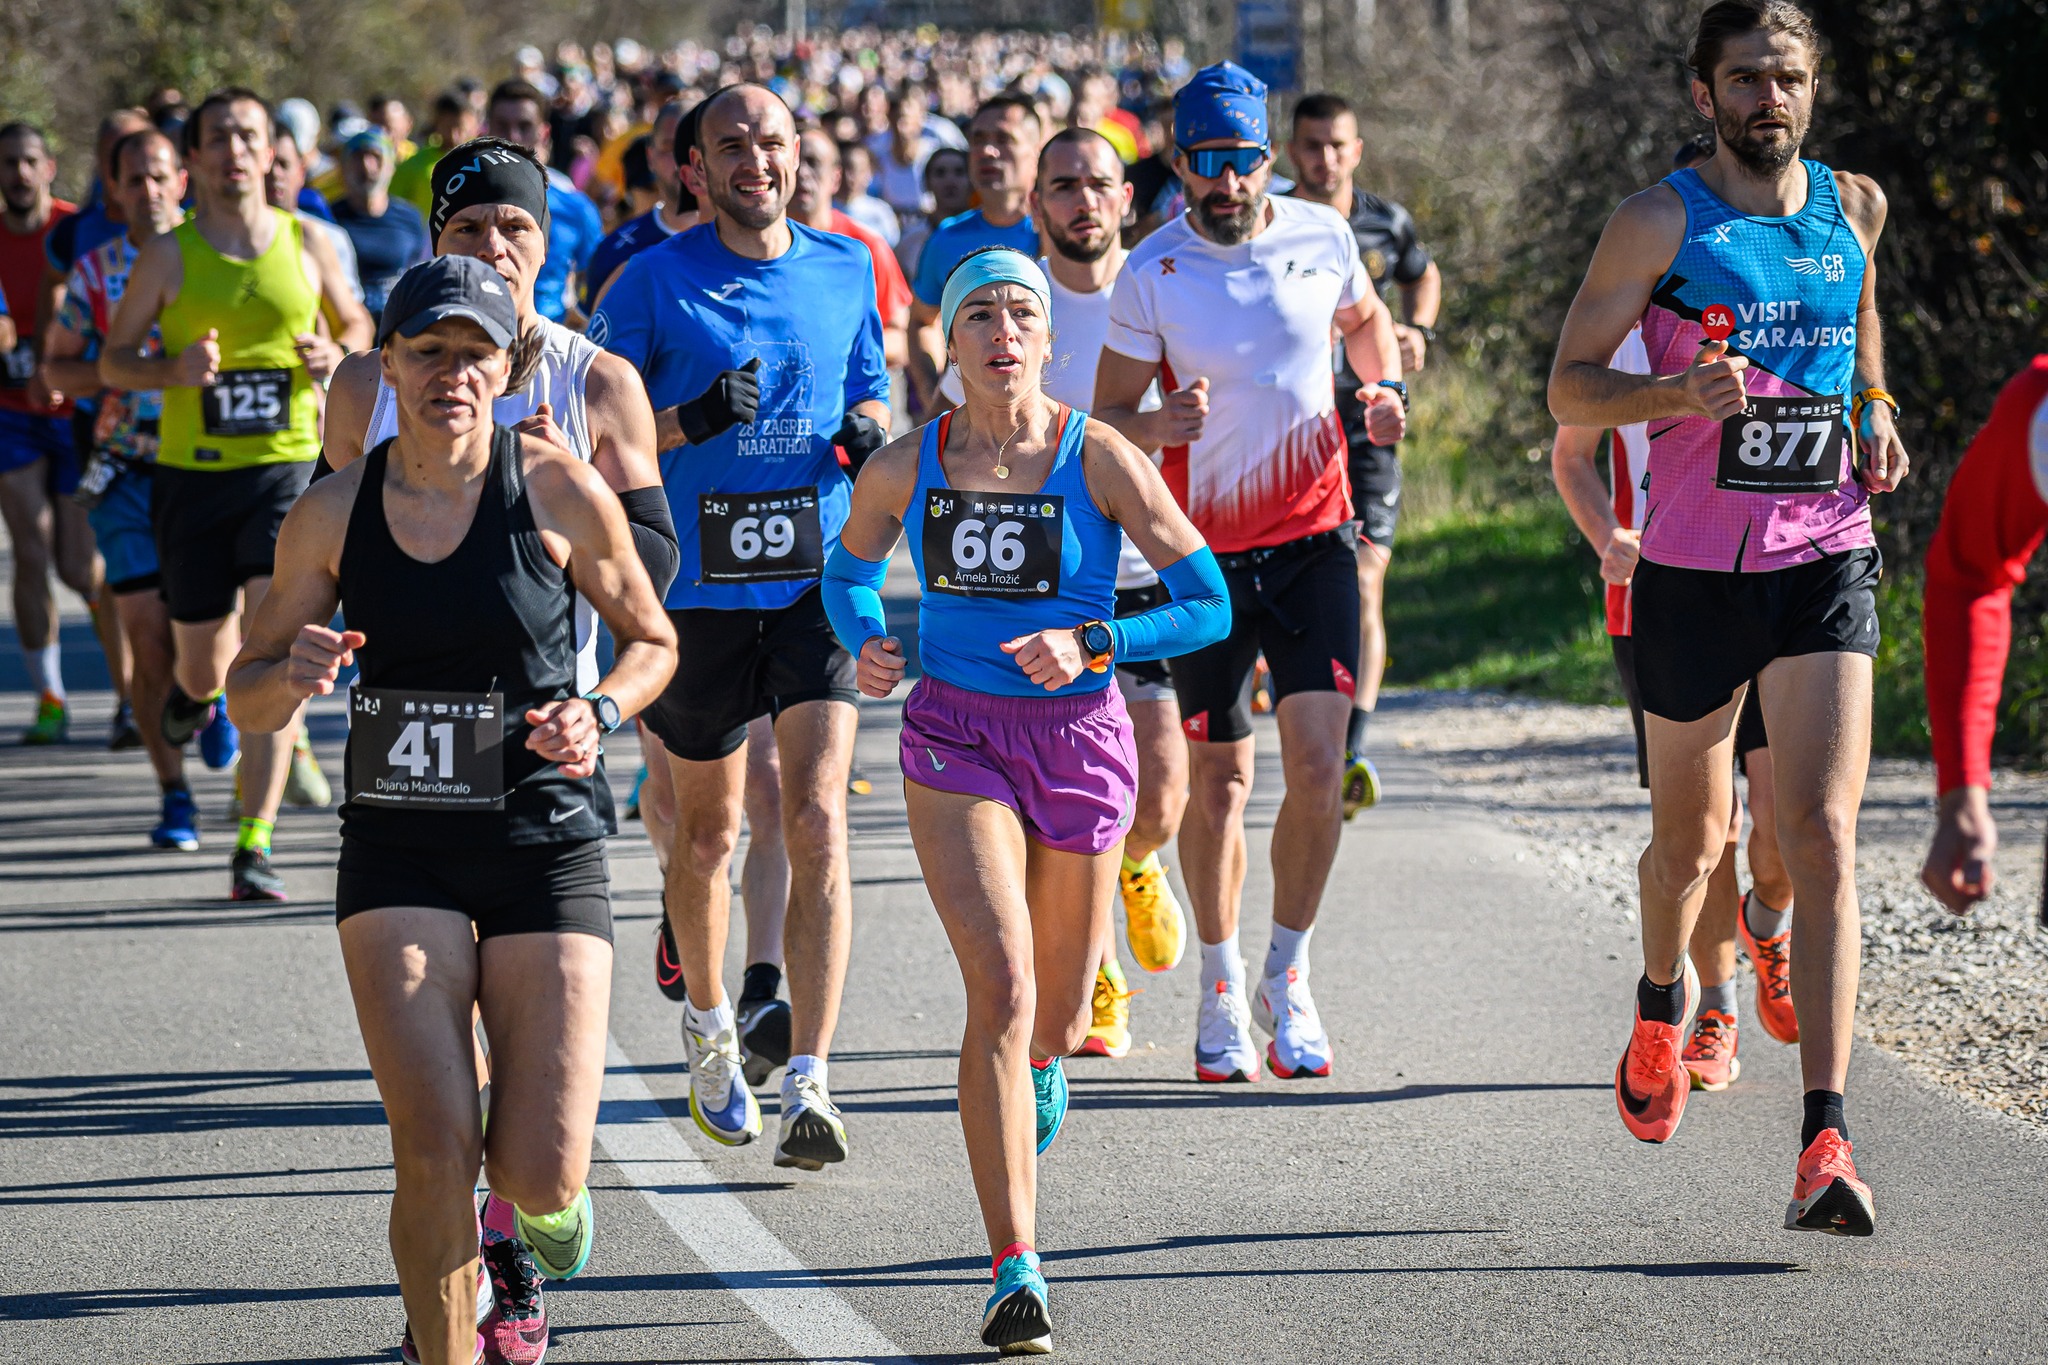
516 1332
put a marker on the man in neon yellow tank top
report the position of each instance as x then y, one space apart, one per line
253 312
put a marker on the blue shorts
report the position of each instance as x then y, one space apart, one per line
26 437
120 524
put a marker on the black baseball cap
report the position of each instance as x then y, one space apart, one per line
450 287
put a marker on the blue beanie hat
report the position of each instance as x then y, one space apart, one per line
1222 101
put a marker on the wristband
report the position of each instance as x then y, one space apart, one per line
1864 399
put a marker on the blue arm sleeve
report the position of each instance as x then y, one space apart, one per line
1198 615
852 589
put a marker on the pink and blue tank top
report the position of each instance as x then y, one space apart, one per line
1774 485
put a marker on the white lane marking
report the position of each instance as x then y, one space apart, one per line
720 1231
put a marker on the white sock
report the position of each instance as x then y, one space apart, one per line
1288 949
1223 962
46 669
708 1023
804 1064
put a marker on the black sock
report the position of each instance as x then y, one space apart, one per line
1661 1004
760 981
1354 737
1823 1110
182 706
181 785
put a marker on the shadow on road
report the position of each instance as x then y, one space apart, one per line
127 1105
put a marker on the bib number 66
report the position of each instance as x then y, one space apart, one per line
752 537
1003 547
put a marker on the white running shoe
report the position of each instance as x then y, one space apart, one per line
812 1131
719 1099
1224 1051
1285 1009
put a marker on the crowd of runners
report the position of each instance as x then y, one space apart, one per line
1045 310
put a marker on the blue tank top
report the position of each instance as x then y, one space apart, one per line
994 566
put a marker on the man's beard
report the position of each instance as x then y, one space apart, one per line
747 215
1761 159
1081 253
25 206
1230 226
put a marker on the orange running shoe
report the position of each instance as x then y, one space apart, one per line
1710 1051
1650 1082
1772 958
1827 1196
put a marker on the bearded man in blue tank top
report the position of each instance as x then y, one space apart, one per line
1754 280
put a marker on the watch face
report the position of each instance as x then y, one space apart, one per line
1097 639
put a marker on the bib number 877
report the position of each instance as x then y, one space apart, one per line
410 752
1756 442
1003 548
752 537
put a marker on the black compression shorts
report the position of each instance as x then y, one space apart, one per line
560 888
734 665
1143 679
1376 490
217 529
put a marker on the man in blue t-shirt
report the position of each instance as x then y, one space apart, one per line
518 112
675 210
1002 147
761 346
388 234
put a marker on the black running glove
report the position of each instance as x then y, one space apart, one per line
734 397
859 436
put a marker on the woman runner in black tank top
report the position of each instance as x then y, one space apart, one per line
472 873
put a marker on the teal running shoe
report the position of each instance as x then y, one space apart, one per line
561 1255
1050 1084
1015 1320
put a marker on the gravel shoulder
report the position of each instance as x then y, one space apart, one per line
1962 1002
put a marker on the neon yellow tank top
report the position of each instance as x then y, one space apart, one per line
261 408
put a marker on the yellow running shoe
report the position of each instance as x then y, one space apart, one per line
1154 926
305 786
1110 1033
1361 784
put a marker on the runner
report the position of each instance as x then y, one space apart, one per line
1002 149
1991 525
1326 150
1754 283
1017 824
518 113
236 293
282 185
458 550
1260 468
817 184
147 188
756 337
389 234
675 212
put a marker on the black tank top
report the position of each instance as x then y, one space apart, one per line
496 615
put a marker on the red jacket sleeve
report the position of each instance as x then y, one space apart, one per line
1992 521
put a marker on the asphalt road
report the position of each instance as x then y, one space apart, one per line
193 1166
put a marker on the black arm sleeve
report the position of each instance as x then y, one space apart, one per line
654 534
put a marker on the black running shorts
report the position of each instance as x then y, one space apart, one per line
560 888
1701 633
734 665
1143 679
1749 725
217 529
1298 605
1375 490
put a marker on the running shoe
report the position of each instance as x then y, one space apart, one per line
719 1099
1827 1196
668 963
1262 688
182 717
1224 1051
410 1353
1109 1033
1650 1082
632 811
1361 784
1772 958
812 1132
52 723
178 825
1284 1008
1154 926
559 1257
859 783
1015 1320
219 742
1709 1054
253 877
1049 1089
123 733
305 786
516 1328
764 1037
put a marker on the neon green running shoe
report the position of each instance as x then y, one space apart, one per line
561 1255
1361 784
52 723
305 786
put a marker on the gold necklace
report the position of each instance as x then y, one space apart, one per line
1003 470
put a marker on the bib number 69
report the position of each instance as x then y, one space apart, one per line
752 537
1003 548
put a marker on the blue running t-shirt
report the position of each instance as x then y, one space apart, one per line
953 239
758 507
574 230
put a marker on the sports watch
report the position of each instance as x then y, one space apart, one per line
1400 390
608 717
1097 644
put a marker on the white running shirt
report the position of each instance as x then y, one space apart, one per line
1628 462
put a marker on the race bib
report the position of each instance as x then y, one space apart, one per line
18 366
991 545
426 750
248 403
760 537
1783 445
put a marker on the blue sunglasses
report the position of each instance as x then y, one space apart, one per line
1210 161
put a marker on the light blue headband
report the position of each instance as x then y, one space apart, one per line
999 265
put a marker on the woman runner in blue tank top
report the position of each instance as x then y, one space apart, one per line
1016 749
